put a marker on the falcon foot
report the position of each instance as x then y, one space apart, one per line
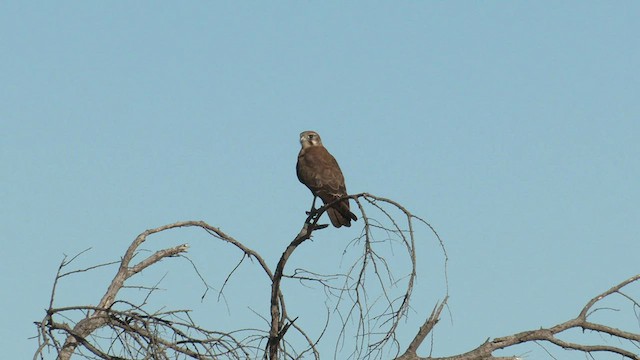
313 207
312 211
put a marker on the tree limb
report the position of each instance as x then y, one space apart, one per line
486 350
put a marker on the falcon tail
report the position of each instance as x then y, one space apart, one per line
341 216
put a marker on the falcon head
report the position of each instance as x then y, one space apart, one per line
310 138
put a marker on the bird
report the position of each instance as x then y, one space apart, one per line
318 170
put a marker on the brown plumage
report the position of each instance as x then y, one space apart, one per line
319 171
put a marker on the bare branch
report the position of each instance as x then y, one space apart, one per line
134 325
549 335
425 329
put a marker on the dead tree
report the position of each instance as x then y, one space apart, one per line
118 328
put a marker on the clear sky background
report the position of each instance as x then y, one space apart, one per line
512 127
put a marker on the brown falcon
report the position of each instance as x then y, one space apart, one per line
319 171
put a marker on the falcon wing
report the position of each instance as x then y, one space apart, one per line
320 172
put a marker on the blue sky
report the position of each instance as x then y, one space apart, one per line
512 127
